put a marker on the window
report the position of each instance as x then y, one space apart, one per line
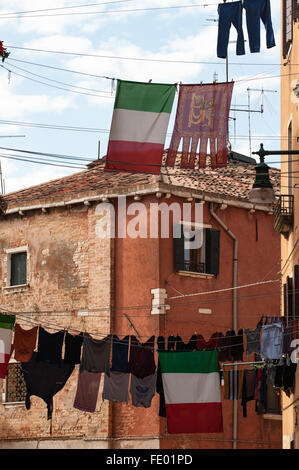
290 170
18 268
15 386
200 260
287 25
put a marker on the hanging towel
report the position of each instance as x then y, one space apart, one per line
120 348
87 391
49 347
233 382
6 327
96 354
24 343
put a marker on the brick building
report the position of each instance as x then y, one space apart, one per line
59 272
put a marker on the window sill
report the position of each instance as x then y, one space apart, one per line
195 274
11 404
18 288
276 417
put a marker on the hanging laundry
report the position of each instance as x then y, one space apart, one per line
120 349
143 390
96 354
44 380
24 343
257 10
139 125
202 116
6 327
87 391
223 348
285 378
159 383
248 389
49 347
181 346
237 347
116 387
212 343
233 383
3 52
73 346
288 336
192 391
272 341
230 13
171 343
253 340
142 361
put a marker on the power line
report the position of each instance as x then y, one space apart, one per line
137 58
53 86
134 10
39 162
52 126
67 157
65 8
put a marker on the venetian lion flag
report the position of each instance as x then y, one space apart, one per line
6 327
139 125
192 391
201 120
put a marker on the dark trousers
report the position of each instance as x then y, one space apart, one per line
229 13
257 10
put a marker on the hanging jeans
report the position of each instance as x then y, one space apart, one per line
257 10
229 13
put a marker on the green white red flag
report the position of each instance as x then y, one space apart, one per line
139 125
192 391
6 326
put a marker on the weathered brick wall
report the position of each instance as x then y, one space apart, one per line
69 271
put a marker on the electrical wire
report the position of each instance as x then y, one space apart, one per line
52 126
68 157
39 162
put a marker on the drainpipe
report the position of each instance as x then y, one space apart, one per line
235 325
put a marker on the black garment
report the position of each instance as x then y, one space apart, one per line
237 345
171 343
73 345
96 354
248 389
44 380
190 346
142 361
120 349
49 347
222 350
159 383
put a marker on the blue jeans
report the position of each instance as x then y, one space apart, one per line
229 13
257 10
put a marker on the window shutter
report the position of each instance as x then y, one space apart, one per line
295 10
290 297
178 245
296 291
18 268
285 303
212 251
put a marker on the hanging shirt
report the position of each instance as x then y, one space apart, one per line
116 387
159 383
44 380
96 354
73 345
253 341
142 361
212 343
143 390
237 347
272 341
87 391
120 349
49 347
24 343
248 389
6 327
233 382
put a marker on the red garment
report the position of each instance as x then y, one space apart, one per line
207 345
1 48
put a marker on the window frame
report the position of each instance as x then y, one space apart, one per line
9 253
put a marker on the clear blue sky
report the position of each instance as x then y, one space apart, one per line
161 33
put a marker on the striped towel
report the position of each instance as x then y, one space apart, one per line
233 381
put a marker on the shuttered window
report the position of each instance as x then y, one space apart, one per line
201 260
18 268
288 13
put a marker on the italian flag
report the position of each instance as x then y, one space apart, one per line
192 391
6 327
139 125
